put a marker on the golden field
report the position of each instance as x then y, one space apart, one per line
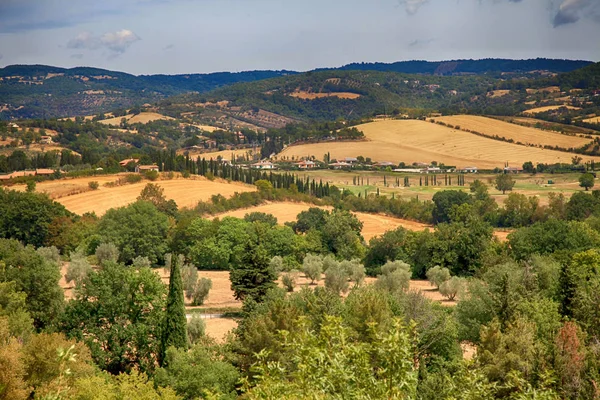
412 141
493 127
548 108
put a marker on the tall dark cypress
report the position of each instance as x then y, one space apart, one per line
174 330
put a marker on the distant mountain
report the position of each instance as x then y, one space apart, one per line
40 91
465 67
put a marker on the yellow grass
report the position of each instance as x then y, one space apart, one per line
548 108
185 192
225 154
595 120
493 127
418 141
373 224
66 187
311 96
498 93
142 118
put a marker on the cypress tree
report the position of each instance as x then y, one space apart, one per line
174 330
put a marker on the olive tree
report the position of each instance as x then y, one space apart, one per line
438 275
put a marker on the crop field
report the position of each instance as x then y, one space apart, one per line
311 96
412 141
493 127
498 93
548 108
225 154
546 125
142 118
185 192
373 224
595 120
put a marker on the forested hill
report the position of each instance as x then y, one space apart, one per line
464 67
39 91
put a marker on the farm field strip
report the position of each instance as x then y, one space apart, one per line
493 127
185 192
548 108
418 141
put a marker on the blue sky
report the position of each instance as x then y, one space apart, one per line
187 36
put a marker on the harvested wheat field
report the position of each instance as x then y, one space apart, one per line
498 93
185 192
311 96
142 118
493 127
418 141
373 224
595 120
219 328
548 108
225 154
67 187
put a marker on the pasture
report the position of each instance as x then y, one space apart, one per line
142 118
311 96
412 141
526 135
595 120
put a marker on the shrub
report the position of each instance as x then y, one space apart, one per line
312 266
276 264
452 287
151 175
94 185
78 268
133 178
289 280
196 329
438 275
210 176
141 262
201 291
189 277
395 277
30 186
355 271
336 279
107 252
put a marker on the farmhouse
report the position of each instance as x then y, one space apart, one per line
263 165
340 165
128 160
513 170
384 164
350 160
44 171
144 168
306 164
469 170
409 170
431 170
46 140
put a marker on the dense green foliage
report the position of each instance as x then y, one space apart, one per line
174 327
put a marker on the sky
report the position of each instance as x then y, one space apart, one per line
200 36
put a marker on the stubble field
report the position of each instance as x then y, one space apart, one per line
412 141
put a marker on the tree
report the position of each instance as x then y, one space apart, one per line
196 329
156 195
395 277
174 329
312 266
79 268
354 270
336 279
107 252
253 277
201 290
12 368
131 303
452 287
438 275
137 230
288 279
444 201
586 181
27 216
13 311
504 183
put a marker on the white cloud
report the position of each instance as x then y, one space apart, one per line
116 42
412 6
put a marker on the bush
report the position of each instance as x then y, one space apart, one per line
289 280
151 175
196 329
201 292
395 277
276 264
189 277
312 266
452 287
438 275
210 176
94 185
355 271
336 279
133 178
30 186
79 268
107 252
